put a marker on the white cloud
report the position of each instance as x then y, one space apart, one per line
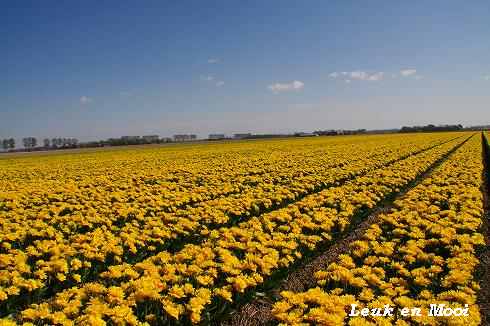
418 77
213 60
408 72
358 75
85 99
376 76
212 79
295 85
487 77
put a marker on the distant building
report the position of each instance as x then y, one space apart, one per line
184 137
242 136
216 136
181 137
151 138
130 138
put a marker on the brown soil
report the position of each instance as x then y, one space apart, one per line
484 269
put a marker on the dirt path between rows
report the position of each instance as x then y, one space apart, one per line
483 273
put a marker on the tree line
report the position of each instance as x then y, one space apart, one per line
31 143
432 128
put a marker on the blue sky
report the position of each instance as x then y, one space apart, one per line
96 69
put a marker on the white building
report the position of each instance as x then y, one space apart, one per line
151 138
216 136
242 136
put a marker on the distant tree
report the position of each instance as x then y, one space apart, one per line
57 142
72 142
47 142
54 142
29 142
62 142
11 143
5 144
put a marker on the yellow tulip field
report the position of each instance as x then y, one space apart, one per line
187 234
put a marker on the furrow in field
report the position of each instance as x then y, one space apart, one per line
483 271
422 252
199 279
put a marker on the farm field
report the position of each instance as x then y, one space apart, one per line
195 233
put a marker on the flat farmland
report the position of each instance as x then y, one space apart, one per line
216 233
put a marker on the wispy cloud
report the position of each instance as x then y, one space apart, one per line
213 60
358 75
295 85
207 78
85 100
211 79
376 76
408 72
348 76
